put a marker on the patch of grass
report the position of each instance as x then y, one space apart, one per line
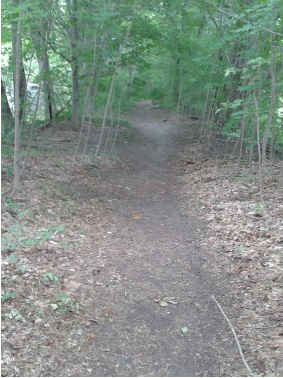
9 204
7 151
66 115
34 151
126 124
8 171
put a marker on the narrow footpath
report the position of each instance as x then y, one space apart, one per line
164 321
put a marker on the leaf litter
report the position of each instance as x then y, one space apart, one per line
247 233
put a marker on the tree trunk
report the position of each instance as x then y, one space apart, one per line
179 95
39 34
17 106
205 109
258 144
243 125
75 67
23 81
6 114
177 80
118 121
271 109
93 99
87 97
47 85
111 123
112 83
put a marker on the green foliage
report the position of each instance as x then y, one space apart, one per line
4 297
14 238
47 277
63 304
198 206
179 54
15 315
6 151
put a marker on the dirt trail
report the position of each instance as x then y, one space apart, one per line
163 322
139 280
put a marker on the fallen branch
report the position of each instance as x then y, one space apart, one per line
48 124
236 337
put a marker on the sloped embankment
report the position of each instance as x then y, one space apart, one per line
247 235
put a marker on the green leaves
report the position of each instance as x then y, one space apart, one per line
256 62
4 297
14 315
230 70
63 298
49 277
12 259
14 238
198 206
63 304
236 103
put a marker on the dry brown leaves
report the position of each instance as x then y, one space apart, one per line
57 237
248 234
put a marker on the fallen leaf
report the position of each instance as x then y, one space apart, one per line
136 216
90 336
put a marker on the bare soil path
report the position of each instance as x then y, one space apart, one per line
140 281
164 322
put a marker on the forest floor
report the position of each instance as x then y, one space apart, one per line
109 269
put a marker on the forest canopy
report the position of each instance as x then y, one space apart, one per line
217 61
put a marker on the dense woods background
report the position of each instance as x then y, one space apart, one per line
218 61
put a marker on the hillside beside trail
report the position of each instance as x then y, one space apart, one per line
142 188
114 264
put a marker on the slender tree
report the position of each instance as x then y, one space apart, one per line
17 105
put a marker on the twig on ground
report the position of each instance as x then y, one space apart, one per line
236 337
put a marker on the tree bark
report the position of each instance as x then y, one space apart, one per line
112 83
17 106
23 81
6 114
258 143
179 95
271 109
177 80
118 120
87 96
75 67
47 85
